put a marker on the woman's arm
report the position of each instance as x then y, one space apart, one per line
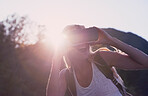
56 85
121 61
135 59
133 53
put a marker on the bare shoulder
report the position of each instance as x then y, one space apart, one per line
62 84
63 73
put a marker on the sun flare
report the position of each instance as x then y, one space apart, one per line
55 39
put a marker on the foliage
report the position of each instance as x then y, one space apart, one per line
21 30
24 64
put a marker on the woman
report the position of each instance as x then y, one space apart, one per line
88 78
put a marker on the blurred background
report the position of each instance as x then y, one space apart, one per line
29 28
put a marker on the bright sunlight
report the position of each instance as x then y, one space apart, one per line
56 39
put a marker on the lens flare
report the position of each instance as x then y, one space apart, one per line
56 40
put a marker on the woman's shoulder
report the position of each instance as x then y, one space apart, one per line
63 71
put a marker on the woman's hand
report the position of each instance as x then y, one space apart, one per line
104 38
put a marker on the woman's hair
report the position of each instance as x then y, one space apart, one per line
72 28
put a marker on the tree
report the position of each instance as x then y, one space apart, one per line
19 49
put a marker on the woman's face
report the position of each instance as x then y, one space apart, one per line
80 52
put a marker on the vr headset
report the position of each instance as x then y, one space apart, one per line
87 35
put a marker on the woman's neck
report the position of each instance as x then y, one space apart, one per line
81 66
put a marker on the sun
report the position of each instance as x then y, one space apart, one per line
55 39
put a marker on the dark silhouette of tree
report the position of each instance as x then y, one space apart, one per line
22 57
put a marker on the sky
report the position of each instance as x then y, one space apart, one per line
124 15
